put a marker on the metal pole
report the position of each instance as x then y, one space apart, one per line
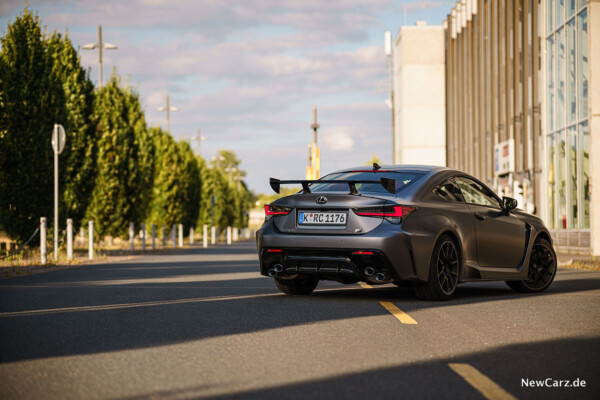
143 236
164 237
100 55
191 235
168 115
153 236
180 231
131 228
91 239
69 238
43 249
173 233
391 97
205 236
56 198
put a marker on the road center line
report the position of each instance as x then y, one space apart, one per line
398 313
484 385
365 286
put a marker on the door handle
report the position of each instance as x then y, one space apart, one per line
479 216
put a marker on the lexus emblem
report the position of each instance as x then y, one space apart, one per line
321 199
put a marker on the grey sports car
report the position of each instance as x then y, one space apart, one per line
433 227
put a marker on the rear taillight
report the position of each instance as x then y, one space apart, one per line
273 210
393 214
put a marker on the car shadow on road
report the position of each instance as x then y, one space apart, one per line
508 366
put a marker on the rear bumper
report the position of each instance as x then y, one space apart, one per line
332 256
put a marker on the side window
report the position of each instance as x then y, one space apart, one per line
449 191
475 193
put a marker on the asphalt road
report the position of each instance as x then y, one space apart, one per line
202 323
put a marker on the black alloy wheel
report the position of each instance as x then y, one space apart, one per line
542 269
444 270
447 267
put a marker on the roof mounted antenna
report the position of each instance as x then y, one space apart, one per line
376 166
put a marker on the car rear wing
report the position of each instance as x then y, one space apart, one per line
388 184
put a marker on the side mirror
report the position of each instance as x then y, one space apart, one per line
508 203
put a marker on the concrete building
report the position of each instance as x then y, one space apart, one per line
523 111
419 95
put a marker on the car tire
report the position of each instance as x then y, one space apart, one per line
542 269
444 269
297 286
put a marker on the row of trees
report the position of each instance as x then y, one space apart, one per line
114 169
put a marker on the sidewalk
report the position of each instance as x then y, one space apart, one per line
578 261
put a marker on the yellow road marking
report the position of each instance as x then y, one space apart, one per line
364 285
398 313
484 385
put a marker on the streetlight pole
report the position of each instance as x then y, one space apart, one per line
99 45
388 53
168 109
313 170
230 170
198 138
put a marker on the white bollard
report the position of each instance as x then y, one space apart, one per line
131 238
153 236
70 239
164 236
191 235
213 235
228 235
91 240
236 235
43 244
173 233
205 236
143 236
180 231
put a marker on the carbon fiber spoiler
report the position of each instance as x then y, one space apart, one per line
388 184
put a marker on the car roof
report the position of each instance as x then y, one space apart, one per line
399 168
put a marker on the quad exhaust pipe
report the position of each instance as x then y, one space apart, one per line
380 277
277 268
369 271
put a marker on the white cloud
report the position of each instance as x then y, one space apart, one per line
338 138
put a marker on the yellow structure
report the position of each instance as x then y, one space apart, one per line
313 170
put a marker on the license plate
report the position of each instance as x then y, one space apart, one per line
322 218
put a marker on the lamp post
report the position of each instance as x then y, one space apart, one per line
390 80
313 170
198 138
99 45
168 109
231 170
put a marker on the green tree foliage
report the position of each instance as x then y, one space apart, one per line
113 170
164 207
124 152
191 185
78 160
177 182
32 101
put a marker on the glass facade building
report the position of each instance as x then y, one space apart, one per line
522 113
566 107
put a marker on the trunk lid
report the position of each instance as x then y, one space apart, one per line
334 203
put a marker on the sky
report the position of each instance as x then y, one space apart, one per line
248 73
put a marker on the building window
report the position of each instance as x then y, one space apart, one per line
567 80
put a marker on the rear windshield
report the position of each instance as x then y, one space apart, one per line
403 179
